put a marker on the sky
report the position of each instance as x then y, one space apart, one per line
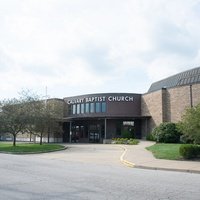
75 47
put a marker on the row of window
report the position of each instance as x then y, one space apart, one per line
82 108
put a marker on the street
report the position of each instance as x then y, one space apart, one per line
89 172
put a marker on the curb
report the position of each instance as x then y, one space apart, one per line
168 169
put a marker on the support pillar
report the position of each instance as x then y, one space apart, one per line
105 128
70 132
191 97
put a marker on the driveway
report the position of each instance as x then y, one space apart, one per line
88 153
88 172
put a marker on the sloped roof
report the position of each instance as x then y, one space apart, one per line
188 77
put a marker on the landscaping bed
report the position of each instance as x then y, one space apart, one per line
130 141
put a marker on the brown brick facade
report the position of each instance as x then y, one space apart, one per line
196 94
168 105
151 105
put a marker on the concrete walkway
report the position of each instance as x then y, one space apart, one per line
142 158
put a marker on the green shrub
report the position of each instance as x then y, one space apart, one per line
125 141
133 141
189 151
185 139
190 125
166 132
120 140
150 137
127 134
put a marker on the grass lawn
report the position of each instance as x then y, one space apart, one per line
29 148
166 151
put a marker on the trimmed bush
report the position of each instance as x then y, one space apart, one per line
166 132
189 151
125 141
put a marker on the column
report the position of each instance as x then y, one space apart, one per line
70 131
105 128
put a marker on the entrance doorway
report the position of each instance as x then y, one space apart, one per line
94 133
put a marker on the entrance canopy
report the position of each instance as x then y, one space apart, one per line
97 129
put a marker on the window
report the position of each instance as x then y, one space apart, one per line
92 107
87 106
98 107
103 107
82 108
78 109
74 109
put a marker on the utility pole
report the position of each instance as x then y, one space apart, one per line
46 97
48 130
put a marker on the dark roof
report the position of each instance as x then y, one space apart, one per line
188 77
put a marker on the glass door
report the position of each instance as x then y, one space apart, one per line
94 133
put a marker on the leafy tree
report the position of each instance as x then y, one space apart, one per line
12 117
190 124
43 117
30 114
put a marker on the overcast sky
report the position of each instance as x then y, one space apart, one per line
77 47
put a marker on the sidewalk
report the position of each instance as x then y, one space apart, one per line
142 158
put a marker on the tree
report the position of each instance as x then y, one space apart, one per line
30 114
54 115
43 118
190 124
12 117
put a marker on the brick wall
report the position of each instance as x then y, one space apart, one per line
196 94
151 105
181 98
178 100
168 105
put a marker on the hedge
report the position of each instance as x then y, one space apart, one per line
189 151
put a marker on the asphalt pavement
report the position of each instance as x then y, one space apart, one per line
91 171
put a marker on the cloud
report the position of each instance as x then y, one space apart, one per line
77 47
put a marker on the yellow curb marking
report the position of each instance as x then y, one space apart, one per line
125 162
